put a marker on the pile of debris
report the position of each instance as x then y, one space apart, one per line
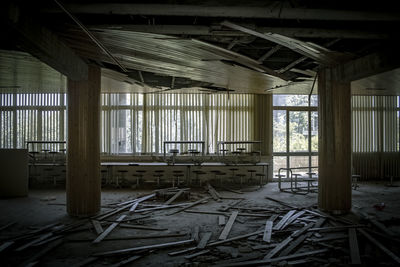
278 233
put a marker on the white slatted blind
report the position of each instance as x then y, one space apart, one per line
375 136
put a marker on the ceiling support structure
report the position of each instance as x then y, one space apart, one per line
269 53
92 37
254 12
311 50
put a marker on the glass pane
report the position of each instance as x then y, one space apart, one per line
290 100
279 162
314 131
314 101
124 132
314 163
298 131
279 142
299 162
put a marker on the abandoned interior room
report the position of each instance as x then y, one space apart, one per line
199 133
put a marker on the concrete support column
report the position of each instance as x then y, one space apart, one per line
334 142
83 158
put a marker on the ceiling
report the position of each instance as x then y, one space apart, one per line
215 46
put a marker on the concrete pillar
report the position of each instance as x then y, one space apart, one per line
83 158
334 142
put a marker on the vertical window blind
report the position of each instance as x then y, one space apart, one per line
375 136
139 123
31 117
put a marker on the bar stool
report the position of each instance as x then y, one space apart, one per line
198 174
120 177
103 177
261 176
174 152
177 175
158 174
354 180
241 149
251 174
220 174
45 151
33 155
241 176
233 171
53 155
215 172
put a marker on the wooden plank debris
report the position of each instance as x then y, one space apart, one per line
37 240
229 206
162 207
214 194
302 230
268 231
85 262
278 248
108 230
5 245
203 242
97 227
195 234
129 237
191 205
288 257
126 261
42 252
228 226
379 245
282 203
174 197
221 220
336 228
353 244
293 245
284 219
7 225
202 252
182 251
141 227
133 207
156 246
223 213
292 219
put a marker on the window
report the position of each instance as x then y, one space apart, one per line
295 135
32 117
140 123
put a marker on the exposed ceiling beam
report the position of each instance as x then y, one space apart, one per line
269 53
308 49
217 31
241 59
370 65
262 12
42 43
298 61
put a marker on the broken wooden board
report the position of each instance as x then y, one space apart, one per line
284 219
293 256
6 226
268 231
37 240
278 248
129 237
225 232
97 227
42 252
155 246
5 245
379 245
203 241
292 219
133 207
85 262
202 252
353 244
223 213
282 203
294 245
195 234
126 261
190 205
141 227
174 197
302 230
221 220
108 230
181 251
229 206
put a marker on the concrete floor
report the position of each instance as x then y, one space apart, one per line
47 206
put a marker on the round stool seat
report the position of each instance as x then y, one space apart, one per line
140 171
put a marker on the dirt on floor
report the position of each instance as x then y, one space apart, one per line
224 228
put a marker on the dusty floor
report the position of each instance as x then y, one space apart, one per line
44 207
